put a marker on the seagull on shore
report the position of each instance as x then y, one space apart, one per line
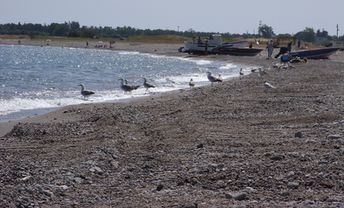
241 72
268 86
147 85
191 83
84 92
127 88
213 79
261 72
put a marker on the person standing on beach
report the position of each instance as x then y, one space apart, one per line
289 46
270 47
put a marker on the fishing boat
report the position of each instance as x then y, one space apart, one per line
320 53
209 45
237 51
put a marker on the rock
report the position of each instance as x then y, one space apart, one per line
159 187
200 146
277 157
237 196
114 164
334 136
250 190
298 134
96 170
293 185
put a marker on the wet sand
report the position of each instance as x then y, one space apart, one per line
234 144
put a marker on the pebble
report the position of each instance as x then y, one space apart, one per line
200 146
277 157
96 170
334 136
298 134
237 196
159 187
293 185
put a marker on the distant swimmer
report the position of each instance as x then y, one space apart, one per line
84 92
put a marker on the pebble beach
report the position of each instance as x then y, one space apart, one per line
231 144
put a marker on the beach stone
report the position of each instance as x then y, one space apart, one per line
237 196
200 146
298 134
96 170
277 157
293 185
334 136
159 187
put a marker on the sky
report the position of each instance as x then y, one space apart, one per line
233 16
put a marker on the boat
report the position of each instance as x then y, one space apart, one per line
320 53
215 45
237 51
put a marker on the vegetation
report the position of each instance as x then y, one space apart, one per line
73 29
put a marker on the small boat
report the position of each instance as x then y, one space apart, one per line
210 45
236 51
321 53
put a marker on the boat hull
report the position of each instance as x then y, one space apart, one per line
322 53
237 51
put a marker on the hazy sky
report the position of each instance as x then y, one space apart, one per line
234 16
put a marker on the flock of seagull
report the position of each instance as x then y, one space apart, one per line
212 79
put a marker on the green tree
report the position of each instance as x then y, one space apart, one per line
307 35
266 31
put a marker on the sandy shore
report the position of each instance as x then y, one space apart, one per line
233 144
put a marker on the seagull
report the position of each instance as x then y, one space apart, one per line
213 79
191 83
241 73
84 92
261 72
147 85
127 88
267 85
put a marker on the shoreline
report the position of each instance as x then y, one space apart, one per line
231 144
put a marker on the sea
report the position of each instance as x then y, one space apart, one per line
35 80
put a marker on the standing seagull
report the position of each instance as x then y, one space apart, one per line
241 73
127 88
147 85
213 79
191 83
84 92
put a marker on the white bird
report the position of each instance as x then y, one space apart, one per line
267 85
213 79
191 83
84 92
147 85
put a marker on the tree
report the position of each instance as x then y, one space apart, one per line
307 35
266 31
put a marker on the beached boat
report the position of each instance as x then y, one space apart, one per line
321 53
237 51
210 45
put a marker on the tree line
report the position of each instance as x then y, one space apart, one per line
73 29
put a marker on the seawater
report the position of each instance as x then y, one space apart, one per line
35 80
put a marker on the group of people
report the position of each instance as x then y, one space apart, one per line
283 50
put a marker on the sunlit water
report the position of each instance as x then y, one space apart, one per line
37 79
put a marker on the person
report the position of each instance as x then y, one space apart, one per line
289 46
298 43
251 45
270 47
